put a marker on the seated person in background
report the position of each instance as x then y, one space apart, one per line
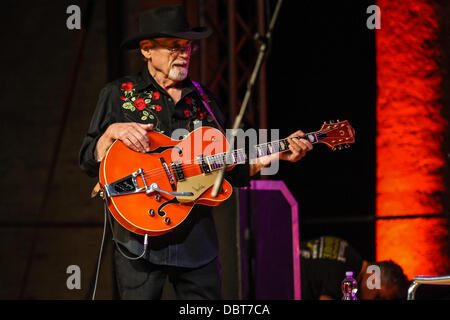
324 261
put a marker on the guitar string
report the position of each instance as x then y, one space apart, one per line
162 171
238 154
185 167
196 163
151 171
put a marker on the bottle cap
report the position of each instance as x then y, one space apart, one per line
349 274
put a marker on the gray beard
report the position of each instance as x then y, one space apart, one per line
178 74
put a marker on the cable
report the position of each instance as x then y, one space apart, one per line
121 252
100 255
106 216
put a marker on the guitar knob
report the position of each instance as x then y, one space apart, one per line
151 212
158 197
167 220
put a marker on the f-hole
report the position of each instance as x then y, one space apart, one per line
161 212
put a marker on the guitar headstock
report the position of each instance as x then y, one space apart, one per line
336 134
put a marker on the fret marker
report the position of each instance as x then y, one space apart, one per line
310 137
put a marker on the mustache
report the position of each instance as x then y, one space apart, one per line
180 62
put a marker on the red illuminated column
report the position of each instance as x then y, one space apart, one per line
410 130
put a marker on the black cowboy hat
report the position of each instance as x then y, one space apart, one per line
165 22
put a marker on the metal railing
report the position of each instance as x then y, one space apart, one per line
419 280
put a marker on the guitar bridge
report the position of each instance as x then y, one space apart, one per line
128 185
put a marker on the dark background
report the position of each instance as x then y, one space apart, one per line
321 67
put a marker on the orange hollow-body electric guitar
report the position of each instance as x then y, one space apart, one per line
152 193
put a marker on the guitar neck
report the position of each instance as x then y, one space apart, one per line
238 156
282 145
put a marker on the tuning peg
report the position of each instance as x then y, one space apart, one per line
331 121
340 147
334 148
347 146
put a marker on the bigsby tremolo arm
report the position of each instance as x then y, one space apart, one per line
155 187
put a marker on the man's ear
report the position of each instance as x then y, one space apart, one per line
146 52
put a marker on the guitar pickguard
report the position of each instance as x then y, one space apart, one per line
197 185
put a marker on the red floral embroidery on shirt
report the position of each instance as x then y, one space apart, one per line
187 113
155 95
158 107
127 86
188 100
139 104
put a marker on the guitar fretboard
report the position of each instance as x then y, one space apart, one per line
238 156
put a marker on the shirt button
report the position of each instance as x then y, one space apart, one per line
170 99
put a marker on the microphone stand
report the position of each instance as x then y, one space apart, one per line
263 50
265 41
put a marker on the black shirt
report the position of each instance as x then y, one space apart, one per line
138 98
323 263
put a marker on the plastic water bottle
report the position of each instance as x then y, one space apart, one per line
349 287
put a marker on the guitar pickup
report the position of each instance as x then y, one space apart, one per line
204 166
177 169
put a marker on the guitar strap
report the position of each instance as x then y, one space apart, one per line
202 95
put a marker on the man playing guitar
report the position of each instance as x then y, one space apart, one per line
161 99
